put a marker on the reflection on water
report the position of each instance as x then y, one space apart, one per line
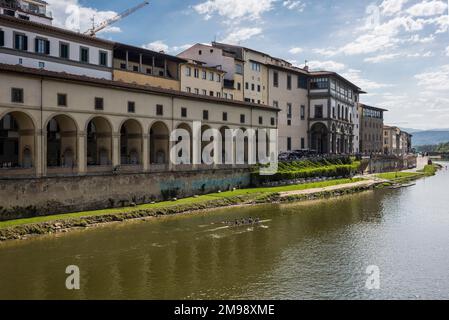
300 251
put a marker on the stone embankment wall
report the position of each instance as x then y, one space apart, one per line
46 196
379 164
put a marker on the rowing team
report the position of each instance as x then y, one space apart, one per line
243 222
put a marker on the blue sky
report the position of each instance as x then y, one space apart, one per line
396 50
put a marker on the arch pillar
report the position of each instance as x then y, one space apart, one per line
82 159
116 149
40 153
146 151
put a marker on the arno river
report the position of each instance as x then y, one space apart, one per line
313 250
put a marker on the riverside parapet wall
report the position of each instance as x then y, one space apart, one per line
45 196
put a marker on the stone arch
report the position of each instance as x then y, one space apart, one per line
99 142
319 135
17 140
224 154
185 126
159 143
131 142
61 141
204 128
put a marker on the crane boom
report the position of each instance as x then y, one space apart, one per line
92 32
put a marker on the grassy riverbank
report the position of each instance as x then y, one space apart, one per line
401 177
255 192
22 228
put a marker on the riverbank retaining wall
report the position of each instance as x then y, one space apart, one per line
380 164
46 196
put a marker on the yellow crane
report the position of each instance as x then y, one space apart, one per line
95 29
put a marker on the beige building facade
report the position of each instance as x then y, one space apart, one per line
371 129
202 80
287 89
396 142
55 124
214 57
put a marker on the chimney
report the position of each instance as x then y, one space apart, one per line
306 68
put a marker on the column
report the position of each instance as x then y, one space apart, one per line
115 149
81 150
39 153
146 152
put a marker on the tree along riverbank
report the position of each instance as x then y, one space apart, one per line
26 228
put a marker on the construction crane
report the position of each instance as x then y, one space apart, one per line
92 32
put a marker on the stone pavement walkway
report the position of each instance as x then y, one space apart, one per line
365 183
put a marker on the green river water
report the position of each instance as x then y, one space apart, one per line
315 250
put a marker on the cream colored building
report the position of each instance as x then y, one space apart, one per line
287 87
146 67
55 124
214 57
396 142
371 129
255 71
202 80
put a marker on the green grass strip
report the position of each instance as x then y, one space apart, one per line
257 192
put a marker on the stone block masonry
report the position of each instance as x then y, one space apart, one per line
47 196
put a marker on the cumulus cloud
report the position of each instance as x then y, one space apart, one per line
294 5
428 8
241 34
326 65
355 76
390 7
296 50
234 9
160 45
72 15
434 80
382 57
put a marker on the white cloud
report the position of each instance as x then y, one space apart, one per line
234 9
355 77
434 80
382 37
428 8
391 56
297 5
296 50
382 57
390 7
418 39
241 34
326 65
70 14
160 45
447 51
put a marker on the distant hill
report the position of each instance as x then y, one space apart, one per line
431 137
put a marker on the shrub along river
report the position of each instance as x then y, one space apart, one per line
313 250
